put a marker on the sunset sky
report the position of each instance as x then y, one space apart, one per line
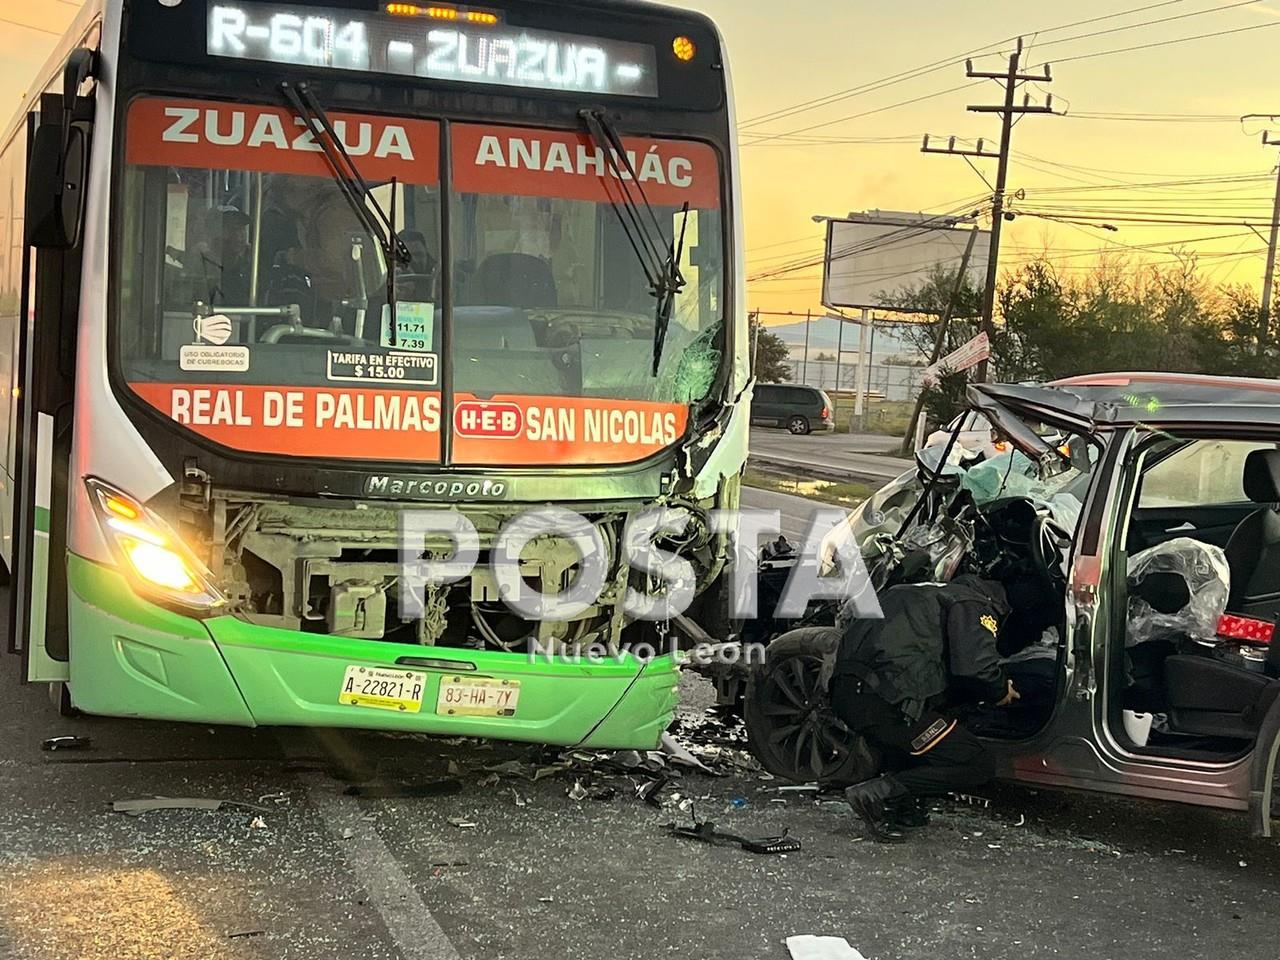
1165 113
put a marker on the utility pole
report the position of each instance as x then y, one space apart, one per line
804 364
1012 79
1264 319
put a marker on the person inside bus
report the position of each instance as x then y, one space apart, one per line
227 266
905 681
417 280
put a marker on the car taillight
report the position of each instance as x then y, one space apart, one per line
825 413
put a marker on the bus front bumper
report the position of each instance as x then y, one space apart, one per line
131 658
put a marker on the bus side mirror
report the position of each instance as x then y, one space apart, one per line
56 186
59 160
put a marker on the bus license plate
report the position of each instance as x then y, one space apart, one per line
383 689
477 697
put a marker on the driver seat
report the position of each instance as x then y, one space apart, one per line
1253 552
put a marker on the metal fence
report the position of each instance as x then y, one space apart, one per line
885 380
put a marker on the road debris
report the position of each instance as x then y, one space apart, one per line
577 791
67 743
257 823
681 755
244 934
390 789
147 804
462 823
705 831
650 791
526 769
808 947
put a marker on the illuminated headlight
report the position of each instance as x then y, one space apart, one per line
158 562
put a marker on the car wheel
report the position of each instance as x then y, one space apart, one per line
790 726
798 425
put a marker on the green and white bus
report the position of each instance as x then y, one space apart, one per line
274 274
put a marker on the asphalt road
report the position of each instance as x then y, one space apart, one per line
831 456
795 513
517 869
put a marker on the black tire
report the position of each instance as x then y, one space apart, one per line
790 726
798 425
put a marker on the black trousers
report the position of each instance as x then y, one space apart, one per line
931 757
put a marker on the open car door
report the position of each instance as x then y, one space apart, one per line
44 374
1263 802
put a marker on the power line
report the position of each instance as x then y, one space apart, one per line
933 67
764 137
866 113
1164 43
1149 23
1141 221
894 237
1012 78
1155 117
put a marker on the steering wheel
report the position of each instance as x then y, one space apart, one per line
1050 543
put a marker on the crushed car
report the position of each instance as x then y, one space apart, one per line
1134 522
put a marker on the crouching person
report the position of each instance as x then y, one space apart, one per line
903 682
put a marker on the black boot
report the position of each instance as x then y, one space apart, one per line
909 813
868 801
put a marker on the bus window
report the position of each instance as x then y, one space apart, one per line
553 299
244 264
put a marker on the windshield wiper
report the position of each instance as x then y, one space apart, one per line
659 260
354 188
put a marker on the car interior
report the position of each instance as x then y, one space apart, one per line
1197 682
1023 531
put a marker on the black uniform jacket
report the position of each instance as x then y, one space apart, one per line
935 639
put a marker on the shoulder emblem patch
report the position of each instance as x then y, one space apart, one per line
989 622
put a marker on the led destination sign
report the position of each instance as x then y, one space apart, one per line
478 50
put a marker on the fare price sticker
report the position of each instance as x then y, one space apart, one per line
415 326
391 367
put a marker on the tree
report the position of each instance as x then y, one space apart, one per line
1118 316
769 354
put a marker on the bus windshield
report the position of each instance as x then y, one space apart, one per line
243 266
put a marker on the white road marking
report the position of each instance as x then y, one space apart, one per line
414 930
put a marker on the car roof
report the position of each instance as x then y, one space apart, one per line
1164 399
1175 389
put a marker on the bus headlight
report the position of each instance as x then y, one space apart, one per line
160 565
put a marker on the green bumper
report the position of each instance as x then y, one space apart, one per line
131 658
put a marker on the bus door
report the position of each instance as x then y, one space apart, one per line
44 380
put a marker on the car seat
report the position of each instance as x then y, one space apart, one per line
1253 552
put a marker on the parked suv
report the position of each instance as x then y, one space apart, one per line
798 408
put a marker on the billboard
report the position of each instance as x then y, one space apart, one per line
875 255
